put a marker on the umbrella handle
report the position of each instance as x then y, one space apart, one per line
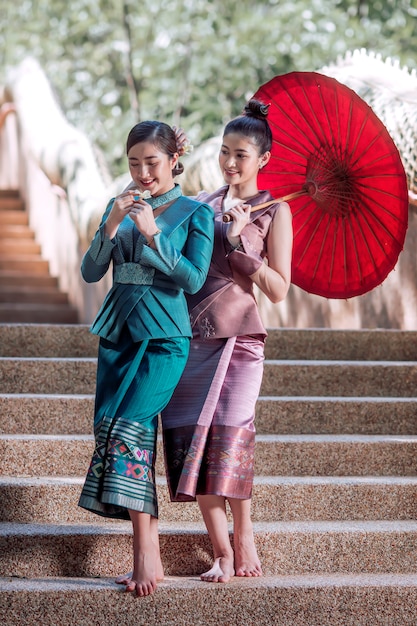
291 196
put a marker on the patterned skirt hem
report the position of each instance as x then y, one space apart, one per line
116 507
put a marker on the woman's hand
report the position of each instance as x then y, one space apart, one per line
121 207
240 218
183 143
142 215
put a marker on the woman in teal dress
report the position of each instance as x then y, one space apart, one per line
159 247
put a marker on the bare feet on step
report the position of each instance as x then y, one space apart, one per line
221 572
246 558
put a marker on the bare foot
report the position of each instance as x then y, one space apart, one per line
221 572
246 557
143 580
125 579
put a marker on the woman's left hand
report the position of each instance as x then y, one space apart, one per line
142 215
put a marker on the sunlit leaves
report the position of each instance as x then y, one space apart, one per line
188 62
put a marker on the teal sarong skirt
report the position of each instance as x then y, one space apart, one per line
135 381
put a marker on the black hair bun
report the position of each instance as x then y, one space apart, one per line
255 108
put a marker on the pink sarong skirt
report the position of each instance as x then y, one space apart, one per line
208 426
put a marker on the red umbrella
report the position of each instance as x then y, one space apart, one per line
336 161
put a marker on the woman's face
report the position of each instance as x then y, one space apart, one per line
239 159
150 168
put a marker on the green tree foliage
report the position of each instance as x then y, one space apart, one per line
189 62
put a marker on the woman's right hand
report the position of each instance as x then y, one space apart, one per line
240 218
121 206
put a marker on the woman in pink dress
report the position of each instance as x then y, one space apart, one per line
208 426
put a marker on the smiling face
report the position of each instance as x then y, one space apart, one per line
150 168
240 161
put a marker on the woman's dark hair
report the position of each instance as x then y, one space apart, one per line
253 123
158 133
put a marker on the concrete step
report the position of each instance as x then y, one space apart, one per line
25 264
11 247
285 344
46 340
34 295
16 232
9 278
13 213
33 312
346 345
312 378
275 455
72 414
328 415
303 600
37 550
287 498
67 414
32 375
340 378
336 455
10 200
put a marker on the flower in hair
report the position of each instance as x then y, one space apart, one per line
186 148
182 141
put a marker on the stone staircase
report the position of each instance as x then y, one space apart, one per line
335 495
28 293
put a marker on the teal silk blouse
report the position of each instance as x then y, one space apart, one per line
148 285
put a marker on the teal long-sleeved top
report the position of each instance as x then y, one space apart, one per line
148 285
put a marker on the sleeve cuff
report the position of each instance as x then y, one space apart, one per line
101 247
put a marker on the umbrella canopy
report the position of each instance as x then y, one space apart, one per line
351 214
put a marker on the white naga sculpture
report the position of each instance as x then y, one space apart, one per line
391 91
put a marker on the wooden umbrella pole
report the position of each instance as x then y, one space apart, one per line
291 196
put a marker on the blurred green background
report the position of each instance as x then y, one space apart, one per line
192 63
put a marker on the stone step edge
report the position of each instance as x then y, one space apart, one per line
395 440
45 481
314 527
310 363
262 398
304 581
